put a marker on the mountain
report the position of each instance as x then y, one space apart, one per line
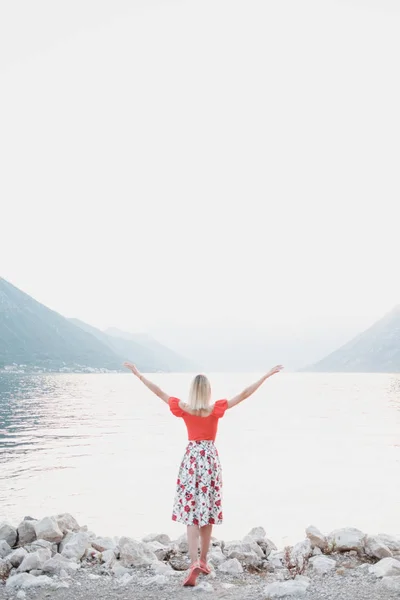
148 354
376 350
33 335
168 359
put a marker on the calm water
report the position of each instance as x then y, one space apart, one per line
307 448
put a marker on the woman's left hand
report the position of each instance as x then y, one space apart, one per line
132 368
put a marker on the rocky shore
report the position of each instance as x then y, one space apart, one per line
56 558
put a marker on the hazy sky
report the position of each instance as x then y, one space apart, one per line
190 162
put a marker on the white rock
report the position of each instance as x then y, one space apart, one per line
182 544
48 529
376 548
67 538
67 522
41 545
36 572
345 539
17 557
391 541
387 567
5 548
286 589
317 539
317 551
26 531
57 563
108 558
27 581
163 538
300 553
157 579
231 566
125 579
228 586
322 564
203 586
159 550
216 556
34 560
276 559
135 554
93 576
76 546
248 553
391 583
120 571
161 568
257 534
21 595
8 533
103 543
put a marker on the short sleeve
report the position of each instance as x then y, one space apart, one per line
175 408
219 408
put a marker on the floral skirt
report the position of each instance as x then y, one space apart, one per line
198 498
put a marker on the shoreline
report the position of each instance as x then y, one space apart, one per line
55 554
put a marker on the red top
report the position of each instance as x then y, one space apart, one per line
200 428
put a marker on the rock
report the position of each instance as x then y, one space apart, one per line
76 546
387 567
276 559
93 576
322 564
376 548
26 531
5 548
161 568
8 533
16 557
21 595
48 529
294 588
179 563
317 551
156 580
248 553
300 553
159 550
349 538
182 544
391 541
203 586
216 556
36 572
258 535
102 544
27 581
120 571
34 560
5 568
231 566
227 586
108 558
40 545
135 554
67 522
57 563
163 538
391 583
317 539
67 538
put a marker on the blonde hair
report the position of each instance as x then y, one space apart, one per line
200 393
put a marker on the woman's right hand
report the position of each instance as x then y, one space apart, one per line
276 369
132 368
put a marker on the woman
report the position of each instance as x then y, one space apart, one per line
198 498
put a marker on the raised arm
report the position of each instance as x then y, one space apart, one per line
152 386
253 388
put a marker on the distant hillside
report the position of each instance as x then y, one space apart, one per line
167 358
376 350
32 334
146 353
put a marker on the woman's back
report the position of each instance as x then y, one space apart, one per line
200 427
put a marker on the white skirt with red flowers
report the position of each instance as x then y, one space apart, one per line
198 498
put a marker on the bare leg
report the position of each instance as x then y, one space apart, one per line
193 542
205 536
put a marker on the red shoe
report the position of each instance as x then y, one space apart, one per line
194 572
204 567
